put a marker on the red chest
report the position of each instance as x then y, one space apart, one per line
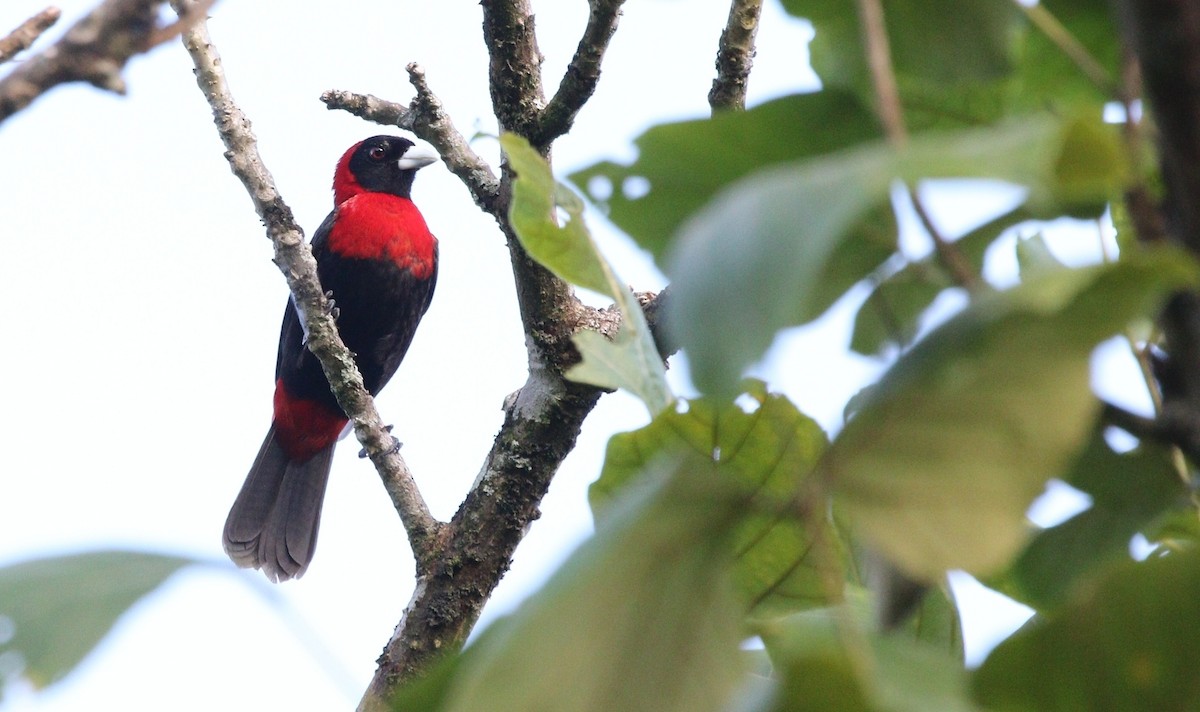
380 226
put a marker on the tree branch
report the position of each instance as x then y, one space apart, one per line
515 67
579 81
735 56
542 420
94 50
1165 37
24 36
426 118
295 260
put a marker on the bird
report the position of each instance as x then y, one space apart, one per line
378 261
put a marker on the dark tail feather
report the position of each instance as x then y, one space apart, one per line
274 520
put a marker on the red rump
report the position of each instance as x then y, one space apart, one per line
304 427
381 226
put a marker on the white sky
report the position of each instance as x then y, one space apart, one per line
143 312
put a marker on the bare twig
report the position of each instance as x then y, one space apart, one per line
1062 38
94 50
891 114
948 252
24 36
735 56
427 119
579 82
879 59
295 260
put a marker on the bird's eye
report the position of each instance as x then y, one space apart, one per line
377 153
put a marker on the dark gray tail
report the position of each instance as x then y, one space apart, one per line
274 520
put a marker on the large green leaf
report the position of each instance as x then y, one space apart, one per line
1128 642
60 607
826 660
1128 490
629 359
936 40
685 164
762 458
759 257
642 616
968 63
947 451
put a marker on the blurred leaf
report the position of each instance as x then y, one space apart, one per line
1128 490
628 360
757 258
891 314
762 458
942 41
60 607
1046 76
687 163
946 453
1034 256
641 617
827 661
1127 642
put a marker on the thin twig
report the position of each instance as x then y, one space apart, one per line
426 118
879 59
948 253
295 260
579 81
27 33
94 50
735 56
1062 38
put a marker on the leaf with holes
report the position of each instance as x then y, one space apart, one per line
630 359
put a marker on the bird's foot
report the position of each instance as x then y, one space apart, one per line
334 311
396 445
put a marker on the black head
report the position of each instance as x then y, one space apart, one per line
380 164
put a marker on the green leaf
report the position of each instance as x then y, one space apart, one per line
641 617
1128 642
891 314
687 163
946 453
1129 491
1034 256
60 607
828 662
629 359
1046 75
942 41
759 257
761 458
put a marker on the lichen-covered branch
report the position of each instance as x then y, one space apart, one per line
426 118
515 65
295 260
24 36
95 50
735 56
583 73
